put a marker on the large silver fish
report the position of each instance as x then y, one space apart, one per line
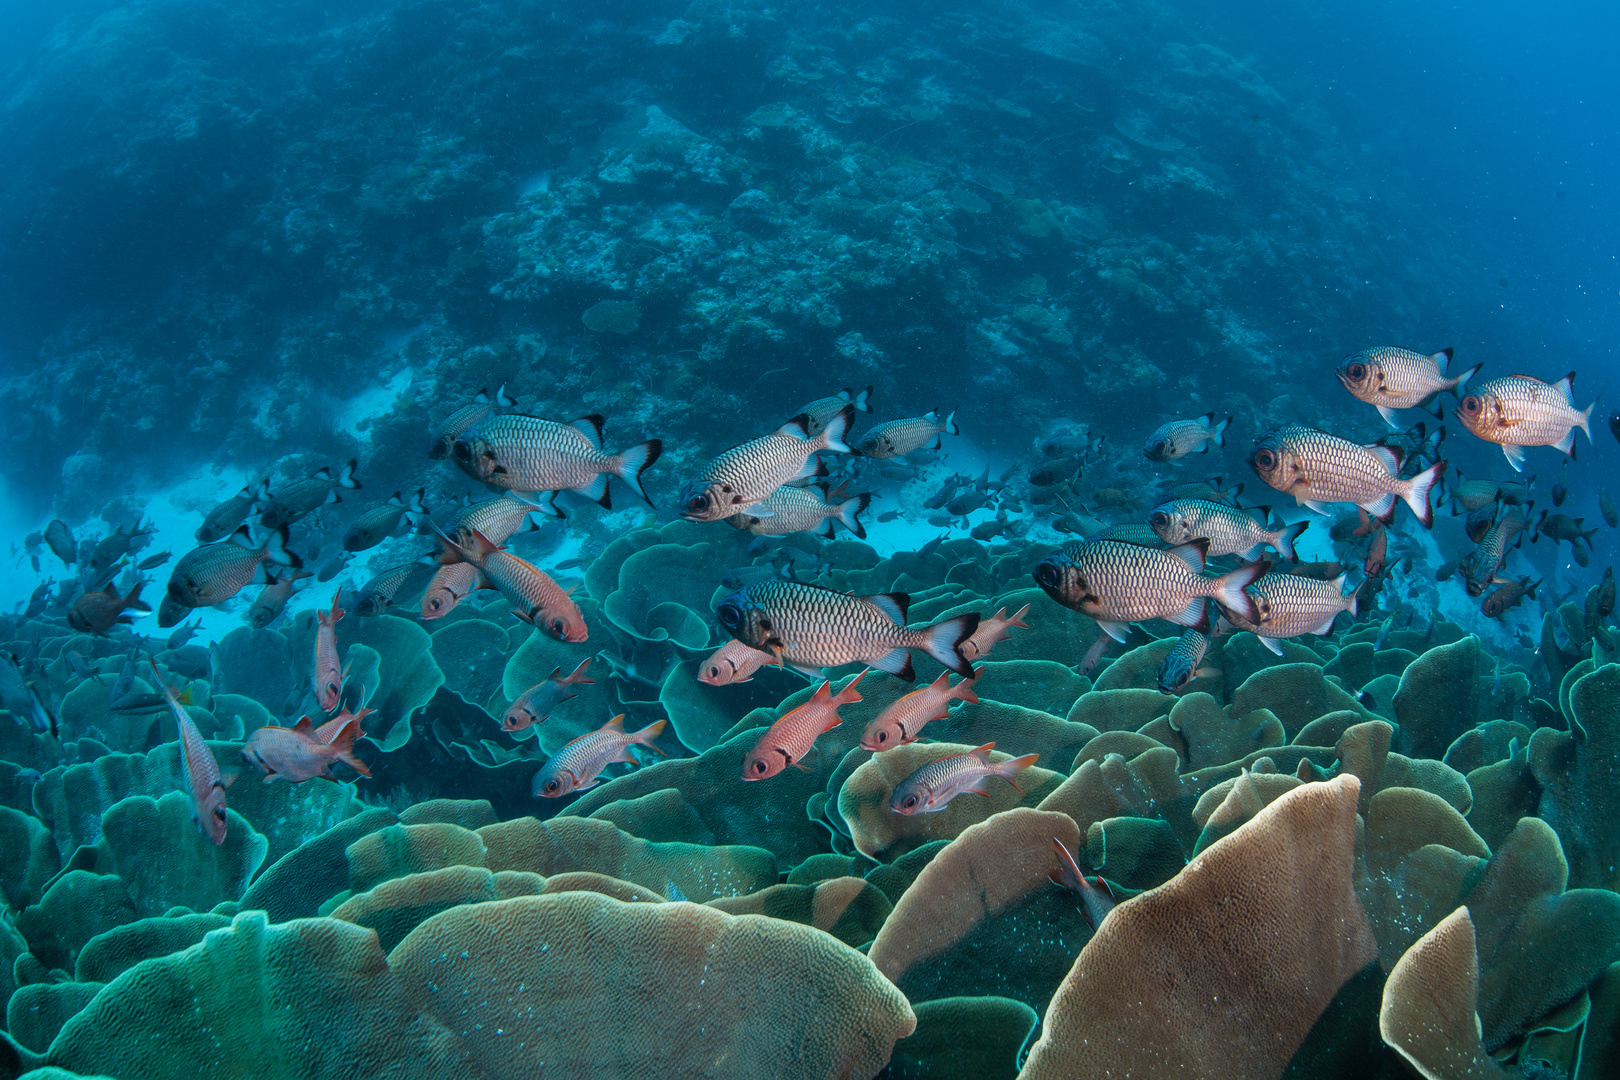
214 573
820 412
1117 583
527 453
741 479
897 438
1390 378
1521 410
1229 530
469 416
298 500
230 515
1290 605
499 519
396 585
811 627
792 509
1317 468
1179 438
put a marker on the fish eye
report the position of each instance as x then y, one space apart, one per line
1160 520
730 615
1470 404
883 736
219 813
462 452
1046 574
551 787
760 767
557 627
1357 371
697 503
910 803
1265 459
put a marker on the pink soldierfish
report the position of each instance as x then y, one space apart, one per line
299 753
931 788
328 672
202 771
732 662
791 737
449 586
1096 898
992 632
328 731
577 765
536 703
535 598
903 721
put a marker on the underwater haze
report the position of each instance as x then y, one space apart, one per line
836 540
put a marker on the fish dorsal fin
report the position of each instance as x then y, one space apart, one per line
797 428
895 605
982 752
395 500
243 538
482 397
615 724
1526 378
322 473
590 427
1207 420
1389 455
1192 553
1566 386
304 726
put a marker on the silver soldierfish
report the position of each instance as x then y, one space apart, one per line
812 627
229 515
298 500
273 599
791 509
499 519
820 412
328 671
903 721
1481 566
481 408
535 704
897 438
1229 530
742 478
1180 665
382 521
577 765
525 453
931 788
397 584
214 573
1179 438
1116 582
1390 378
1290 605
1521 410
790 739
733 662
1317 468
992 632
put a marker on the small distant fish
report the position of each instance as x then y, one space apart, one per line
481 408
1519 411
967 502
38 600
992 632
792 509
939 498
1181 664
334 566
1611 517
527 453
1116 583
888 516
231 514
1229 530
1318 468
272 599
1377 551
182 635
299 754
1508 596
81 667
328 671
813 627
1179 438
99 612
1563 527
535 598
931 788
733 662
1474 494
1481 567
897 438
1064 444
577 765
903 720
59 538
744 477
1096 897
822 411
1447 570
214 573
791 738
1560 488
110 549
382 521
203 780
535 704
1602 600
1479 522
1290 605
152 562
1056 471
298 500
1392 378
571 564
21 699
499 519
397 584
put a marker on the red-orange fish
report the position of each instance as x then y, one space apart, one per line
992 632
328 672
299 753
99 612
733 662
203 781
788 740
903 721
534 597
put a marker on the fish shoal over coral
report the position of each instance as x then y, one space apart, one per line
733 691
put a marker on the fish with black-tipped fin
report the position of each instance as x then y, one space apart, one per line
741 479
272 599
1318 468
1508 596
298 500
521 453
813 509
897 438
1520 410
821 412
397 584
214 573
1183 662
99 612
1390 378
230 515
1229 530
383 520
475 412
1289 605
1178 438
577 765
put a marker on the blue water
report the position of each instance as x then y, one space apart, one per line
243 244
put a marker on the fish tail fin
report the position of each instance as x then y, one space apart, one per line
1585 423
133 598
1011 768
1230 591
943 641
1416 493
628 465
949 424
275 550
848 694
1287 538
849 513
963 691
832 436
1018 618
649 734
1460 383
1067 872
342 745
345 476
863 401
1218 433
577 676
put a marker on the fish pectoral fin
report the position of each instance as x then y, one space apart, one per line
1271 643
1389 416
1115 630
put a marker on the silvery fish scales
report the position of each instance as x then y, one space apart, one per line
1180 664
496 518
527 453
1229 530
1318 468
1392 378
897 438
470 415
1290 605
742 478
793 509
214 573
1117 582
297 500
820 412
1520 410
1179 438
397 584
